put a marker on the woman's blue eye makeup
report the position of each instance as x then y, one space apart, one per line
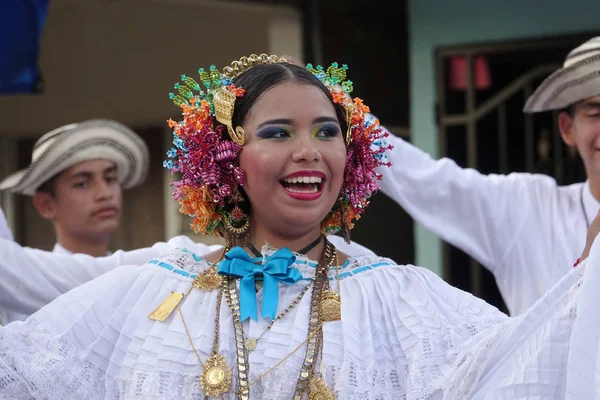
274 133
326 131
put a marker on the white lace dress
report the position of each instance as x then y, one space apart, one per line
404 334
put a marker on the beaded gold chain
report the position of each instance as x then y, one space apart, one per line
251 343
313 340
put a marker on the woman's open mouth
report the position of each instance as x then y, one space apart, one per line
302 184
303 187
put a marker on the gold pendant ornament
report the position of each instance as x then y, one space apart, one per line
216 376
318 390
208 280
166 307
331 306
250 344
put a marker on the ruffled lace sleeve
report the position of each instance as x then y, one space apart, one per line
57 354
73 348
401 327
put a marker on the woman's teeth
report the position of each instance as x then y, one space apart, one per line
303 179
302 184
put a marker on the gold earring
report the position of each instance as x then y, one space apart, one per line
237 221
237 226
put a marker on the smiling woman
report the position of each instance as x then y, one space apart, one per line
294 124
284 157
275 156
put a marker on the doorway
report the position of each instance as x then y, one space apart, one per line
481 91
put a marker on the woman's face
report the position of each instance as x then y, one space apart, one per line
294 157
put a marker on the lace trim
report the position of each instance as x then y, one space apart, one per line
56 372
42 358
187 264
31 363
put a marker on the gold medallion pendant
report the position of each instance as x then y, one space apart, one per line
207 281
216 376
318 390
331 306
250 344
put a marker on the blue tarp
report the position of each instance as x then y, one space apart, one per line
21 27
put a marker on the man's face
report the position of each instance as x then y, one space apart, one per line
581 128
86 200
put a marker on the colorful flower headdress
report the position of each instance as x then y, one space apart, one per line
208 160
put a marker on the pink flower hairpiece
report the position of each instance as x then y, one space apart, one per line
208 160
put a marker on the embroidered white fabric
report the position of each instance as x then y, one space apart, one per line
404 334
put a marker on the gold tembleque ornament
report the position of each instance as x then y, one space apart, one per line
330 307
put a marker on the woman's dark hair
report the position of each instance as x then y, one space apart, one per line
257 80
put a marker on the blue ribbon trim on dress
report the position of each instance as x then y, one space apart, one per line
276 268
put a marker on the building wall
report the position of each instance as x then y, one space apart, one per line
434 23
119 60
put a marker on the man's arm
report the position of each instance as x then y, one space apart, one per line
480 214
31 278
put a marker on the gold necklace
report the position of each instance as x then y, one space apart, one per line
251 343
313 338
216 375
314 323
210 279
330 310
331 305
310 336
317 388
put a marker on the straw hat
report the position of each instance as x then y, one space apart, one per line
72 144
578 79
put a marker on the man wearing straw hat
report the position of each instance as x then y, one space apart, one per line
524 228
76 176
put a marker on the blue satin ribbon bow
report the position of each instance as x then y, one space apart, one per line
275 269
